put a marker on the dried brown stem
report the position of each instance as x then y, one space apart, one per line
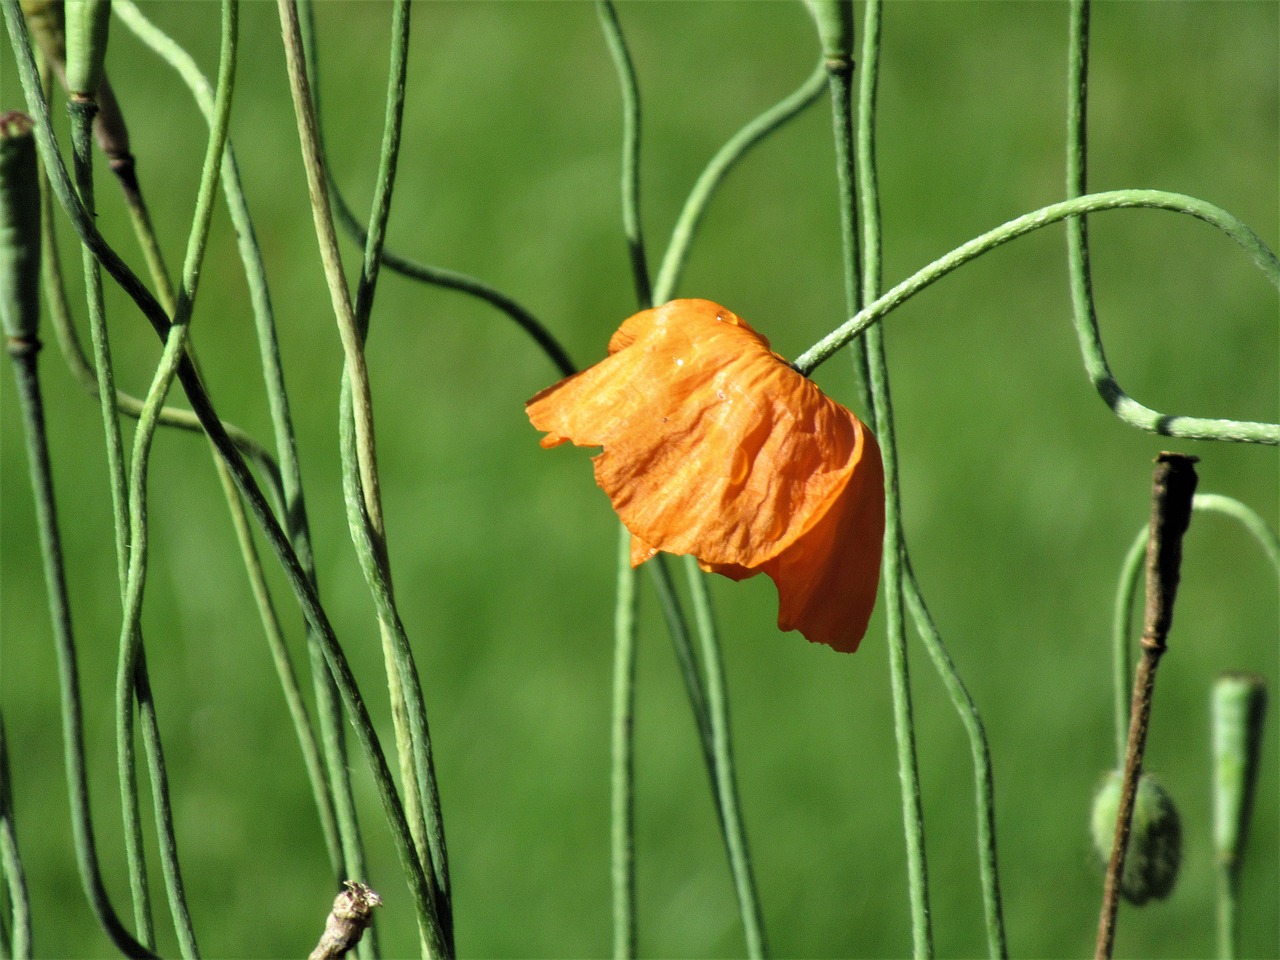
351 916
1173 485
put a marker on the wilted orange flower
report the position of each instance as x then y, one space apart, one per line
714 446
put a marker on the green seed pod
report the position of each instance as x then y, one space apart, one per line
1155 838
1239 706
87 24
835 28
19 228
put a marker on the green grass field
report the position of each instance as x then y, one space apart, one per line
1021 490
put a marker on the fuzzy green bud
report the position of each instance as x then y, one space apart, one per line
19 228
87 22
1239 707
1155 838
835 28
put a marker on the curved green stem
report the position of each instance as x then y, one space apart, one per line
424 273
1124 406
624 632
695 206
984 788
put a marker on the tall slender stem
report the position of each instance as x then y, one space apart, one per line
622 779
856 166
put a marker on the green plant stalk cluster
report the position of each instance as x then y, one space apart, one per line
245 481
364 507
82 112
29 395
331 784
175 351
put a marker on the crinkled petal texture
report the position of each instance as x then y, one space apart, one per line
714 446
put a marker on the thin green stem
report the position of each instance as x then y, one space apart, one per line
334 799
984 788
1124 406
726 779
175 351
707 695
400 664
82 113
363 500
1122 652
364 507
695 206
203 408
284 669
1228 922
984 781
855 169
622 780
19 944
163 812
839 84
631 221
27 379
624 633
678 629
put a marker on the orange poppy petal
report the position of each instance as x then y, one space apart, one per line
714 446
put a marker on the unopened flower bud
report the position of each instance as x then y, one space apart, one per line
835 28
1239 706
19 228
87 22
1155 838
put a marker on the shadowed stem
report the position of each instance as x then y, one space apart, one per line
1173 486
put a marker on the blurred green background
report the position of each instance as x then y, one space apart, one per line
1022 492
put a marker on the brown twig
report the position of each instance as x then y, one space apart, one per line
351 916
1173 485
